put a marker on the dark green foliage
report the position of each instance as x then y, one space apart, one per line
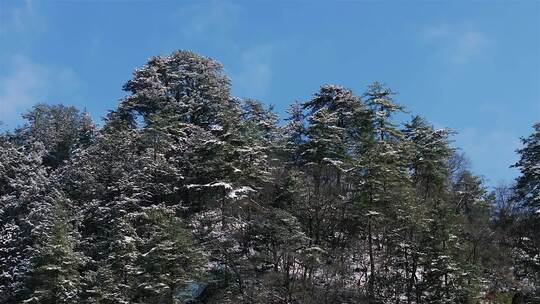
55 276
61 129
526 220
185 183
528 184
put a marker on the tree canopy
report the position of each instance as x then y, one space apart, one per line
187 194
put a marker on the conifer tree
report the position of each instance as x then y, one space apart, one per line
184 184
54 272
527 187
61 129
23 208
527 195
168 259
383 184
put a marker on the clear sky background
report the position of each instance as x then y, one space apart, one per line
471 66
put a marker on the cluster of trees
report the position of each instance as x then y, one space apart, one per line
184 182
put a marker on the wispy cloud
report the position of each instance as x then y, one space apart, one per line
436 31
254 74
209 20
469 45
24 82
457 44
19 16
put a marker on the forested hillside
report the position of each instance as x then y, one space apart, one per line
187 194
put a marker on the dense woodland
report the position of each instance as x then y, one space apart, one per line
182 182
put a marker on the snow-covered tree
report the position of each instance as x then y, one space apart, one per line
185 182
430 153
168 259
23 185
527 196
54 270
528 183
61 129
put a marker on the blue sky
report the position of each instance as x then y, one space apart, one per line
471 66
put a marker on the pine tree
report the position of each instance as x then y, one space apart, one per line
103 183
383 186
184 182
194 137
23 184
527 195
527 187
184 83
61 129
430 155
293 134
54 276
168 259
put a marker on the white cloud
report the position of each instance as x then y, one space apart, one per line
457 44
24 83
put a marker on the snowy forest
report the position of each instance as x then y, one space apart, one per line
187 194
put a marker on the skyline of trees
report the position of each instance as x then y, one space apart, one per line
185 182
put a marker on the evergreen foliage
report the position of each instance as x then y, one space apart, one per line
187 194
